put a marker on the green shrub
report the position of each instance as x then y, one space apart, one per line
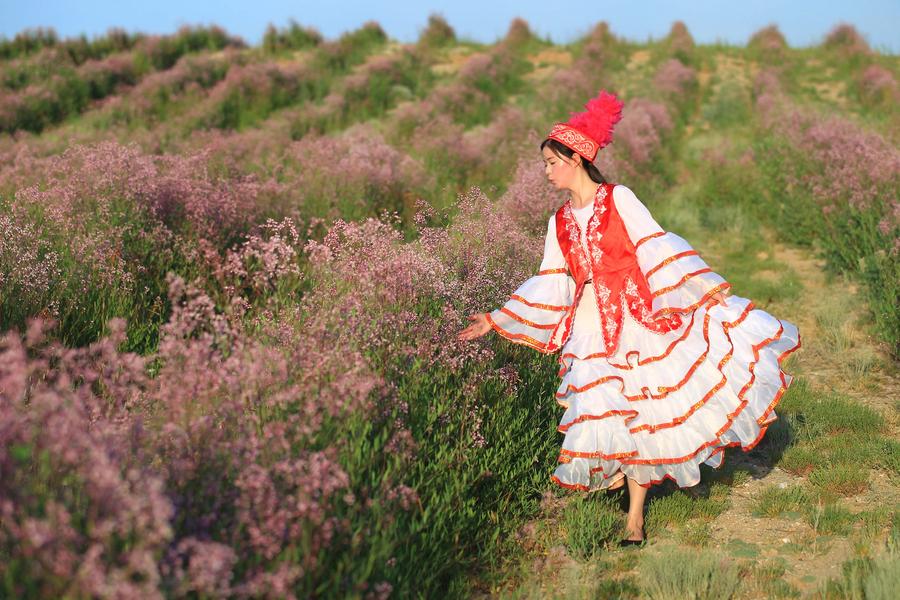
775 501
729 106
830 519
292 37
678 507
675 574
591 522
350 49
868 578
764 580
437 33
841 479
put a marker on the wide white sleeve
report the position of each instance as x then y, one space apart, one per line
679 279
534 312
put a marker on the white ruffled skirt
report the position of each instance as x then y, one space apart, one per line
665 403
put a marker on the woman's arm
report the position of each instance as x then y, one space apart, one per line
533 312
679 279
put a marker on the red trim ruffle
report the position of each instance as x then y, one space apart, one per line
663 391
630 458
558 307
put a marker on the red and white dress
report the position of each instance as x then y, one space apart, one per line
656 378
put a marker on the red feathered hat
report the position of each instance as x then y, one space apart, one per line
587 132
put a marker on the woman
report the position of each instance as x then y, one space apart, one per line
660 371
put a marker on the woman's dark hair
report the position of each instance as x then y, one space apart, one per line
561 148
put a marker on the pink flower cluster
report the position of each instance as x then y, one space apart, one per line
769 42
673 77
637 140
530 198
263 262
105 74
87 190
471 96
848 165
680 42
876 86
74 486
47 85
29 268
256 88
568 88
846 41
834 162
192 73
199 465
352 175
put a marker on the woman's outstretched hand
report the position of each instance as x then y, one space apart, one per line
717 298
478 328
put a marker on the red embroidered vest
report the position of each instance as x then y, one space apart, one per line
611 266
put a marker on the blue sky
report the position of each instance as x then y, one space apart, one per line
803 22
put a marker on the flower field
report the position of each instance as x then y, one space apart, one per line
231 279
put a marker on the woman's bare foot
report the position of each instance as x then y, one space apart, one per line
634 530
634 522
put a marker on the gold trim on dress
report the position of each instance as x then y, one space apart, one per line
522 319
537 304
663 391
518 338
662 291
709 294
668 260
648 238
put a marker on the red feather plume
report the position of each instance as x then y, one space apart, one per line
603 112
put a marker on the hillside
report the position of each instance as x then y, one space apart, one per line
231 279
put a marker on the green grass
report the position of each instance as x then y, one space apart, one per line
819 414
799 460
765 580
840 480
874 521
868 578
694 533
672 574
775 501
678 508
832 440
591 523
830 519
472 499
729 106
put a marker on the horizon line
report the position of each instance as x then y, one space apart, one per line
465 39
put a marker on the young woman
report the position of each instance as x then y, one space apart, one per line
661 371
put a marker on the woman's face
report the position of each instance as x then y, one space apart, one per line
559 170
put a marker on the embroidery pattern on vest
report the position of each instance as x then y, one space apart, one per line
594 235
641 312
576 249
616 292
609 315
